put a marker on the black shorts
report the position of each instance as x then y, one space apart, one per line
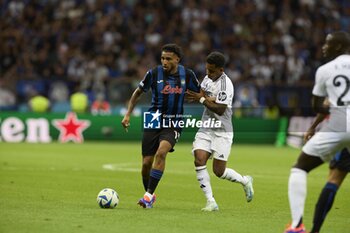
341 161
152 138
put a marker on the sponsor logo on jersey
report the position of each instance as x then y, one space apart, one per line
222 96
171 90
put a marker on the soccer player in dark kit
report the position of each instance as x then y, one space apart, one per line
168 82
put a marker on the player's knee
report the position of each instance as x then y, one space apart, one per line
160 154
218 171
147 161
199 161
307 162
159 159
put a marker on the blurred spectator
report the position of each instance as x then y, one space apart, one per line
246 103
95 44
100 106
295 67
7 98
271 111
79 102
59 92
59 97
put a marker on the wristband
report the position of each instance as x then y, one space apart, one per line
202 99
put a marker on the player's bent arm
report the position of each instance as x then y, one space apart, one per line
318 106
319 118
311 131
215 107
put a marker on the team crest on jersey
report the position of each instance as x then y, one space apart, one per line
222 96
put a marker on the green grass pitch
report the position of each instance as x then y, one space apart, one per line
53 188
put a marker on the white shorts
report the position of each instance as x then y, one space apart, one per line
326 144
218 147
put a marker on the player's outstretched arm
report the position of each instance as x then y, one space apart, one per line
131 105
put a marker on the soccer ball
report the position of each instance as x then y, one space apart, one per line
108 198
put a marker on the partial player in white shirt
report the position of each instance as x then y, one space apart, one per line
216 95
332 81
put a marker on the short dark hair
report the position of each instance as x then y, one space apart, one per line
341 37
217 59
173 48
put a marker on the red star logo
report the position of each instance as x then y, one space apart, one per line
71 129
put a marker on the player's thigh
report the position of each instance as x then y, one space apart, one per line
168 137
202 141
324 145
150 142
221 147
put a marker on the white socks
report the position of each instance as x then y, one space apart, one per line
204 181
232 175
297 194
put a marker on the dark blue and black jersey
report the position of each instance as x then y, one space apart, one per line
168 91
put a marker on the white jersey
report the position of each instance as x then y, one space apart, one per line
333 80
222 90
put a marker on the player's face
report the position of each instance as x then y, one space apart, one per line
213 71
329 48
170 62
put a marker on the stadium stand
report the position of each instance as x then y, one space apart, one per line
270 44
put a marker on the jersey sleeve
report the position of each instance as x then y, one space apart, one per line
146 82
203 85
320 85
193 83
225 93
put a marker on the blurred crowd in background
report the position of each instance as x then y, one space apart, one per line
101 49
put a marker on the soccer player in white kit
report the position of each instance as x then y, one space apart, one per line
332 81
216 95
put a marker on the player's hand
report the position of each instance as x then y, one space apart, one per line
310 132
194 96
126 122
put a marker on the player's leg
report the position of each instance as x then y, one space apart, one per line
150 145
147 161
203 177
297 188
339 168
158 165
223 172
321 147
201 152
222 148
155 174
326 198
166 139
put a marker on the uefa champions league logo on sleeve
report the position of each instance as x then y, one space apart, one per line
151 120
157 120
